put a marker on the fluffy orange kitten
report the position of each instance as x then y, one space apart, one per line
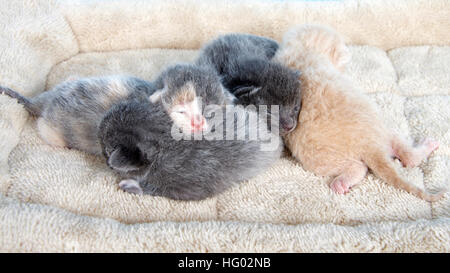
339 132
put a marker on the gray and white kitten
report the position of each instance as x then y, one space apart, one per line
69 114
138 142
244 63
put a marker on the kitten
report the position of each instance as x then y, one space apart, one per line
244 63
177 89
339 132
138 141
70 113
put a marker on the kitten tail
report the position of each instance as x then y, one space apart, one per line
32 108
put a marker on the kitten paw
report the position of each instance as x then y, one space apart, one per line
340 185
131 186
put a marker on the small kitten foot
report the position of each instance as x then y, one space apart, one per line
340 185
412 157
131 186
425 149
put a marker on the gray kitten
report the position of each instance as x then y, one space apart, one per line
244 63
70 113
138 141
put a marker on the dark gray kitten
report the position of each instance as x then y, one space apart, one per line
138 140
244 63
70 113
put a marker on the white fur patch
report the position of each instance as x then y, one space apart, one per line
50 134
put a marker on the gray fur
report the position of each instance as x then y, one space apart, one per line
76 108
244 63
27 103
136 140
204 79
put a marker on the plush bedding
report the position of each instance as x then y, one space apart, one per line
62 200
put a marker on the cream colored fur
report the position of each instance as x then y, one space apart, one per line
60 200
339 132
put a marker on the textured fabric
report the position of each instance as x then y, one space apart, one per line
54 199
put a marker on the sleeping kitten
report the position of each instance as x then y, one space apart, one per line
178 87
339 132
138 141
243 62
69 115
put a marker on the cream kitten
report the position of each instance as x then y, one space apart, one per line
339 132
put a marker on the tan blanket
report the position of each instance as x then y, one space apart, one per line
62 200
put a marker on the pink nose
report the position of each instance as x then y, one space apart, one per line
197 122
288 128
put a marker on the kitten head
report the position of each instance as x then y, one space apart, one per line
122 135
319 39
185 92
262 82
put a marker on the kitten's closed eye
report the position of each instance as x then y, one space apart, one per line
245 91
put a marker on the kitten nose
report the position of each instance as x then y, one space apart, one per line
197 122
288 125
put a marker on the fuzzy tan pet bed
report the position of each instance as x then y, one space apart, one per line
54 199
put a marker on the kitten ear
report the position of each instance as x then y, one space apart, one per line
253 92
126 159
156 96
342 57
